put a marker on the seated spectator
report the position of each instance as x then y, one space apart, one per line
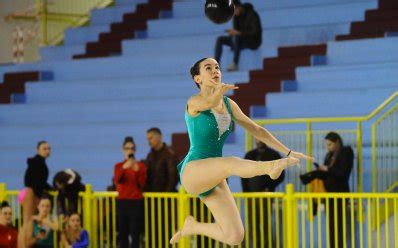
73 236
130 177
335 174
246 33
68 183
42 227
336 170
8 235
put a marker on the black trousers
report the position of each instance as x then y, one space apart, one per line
336 226
236 43
258 212
130 221
159 206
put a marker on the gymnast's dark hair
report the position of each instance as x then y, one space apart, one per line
334 137
41 143
4 204
195 69
128 139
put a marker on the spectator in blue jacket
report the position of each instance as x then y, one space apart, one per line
73 235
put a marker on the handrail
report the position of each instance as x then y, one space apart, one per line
330 119
382 106
292 211
386 194
392 187
309 121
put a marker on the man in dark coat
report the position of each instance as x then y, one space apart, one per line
162 176
246 33
261 184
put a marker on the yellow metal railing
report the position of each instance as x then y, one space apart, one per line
284 219
385 151
164 213
356 226
102 219
306 134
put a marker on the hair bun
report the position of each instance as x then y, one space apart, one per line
129 139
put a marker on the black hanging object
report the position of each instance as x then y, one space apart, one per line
219 11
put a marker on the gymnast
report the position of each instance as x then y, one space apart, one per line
203 171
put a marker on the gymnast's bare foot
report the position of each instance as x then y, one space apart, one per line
281 164
189 221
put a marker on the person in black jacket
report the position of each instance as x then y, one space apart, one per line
68 183
35 180
335 174
246 33
338 164
36 176
261 184
337 167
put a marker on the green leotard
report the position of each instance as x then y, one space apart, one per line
43 243
204 138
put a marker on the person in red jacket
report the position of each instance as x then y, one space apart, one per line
8 235
130 177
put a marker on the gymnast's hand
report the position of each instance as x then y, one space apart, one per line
224 88
300 155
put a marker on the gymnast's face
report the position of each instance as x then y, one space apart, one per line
210 73
5 215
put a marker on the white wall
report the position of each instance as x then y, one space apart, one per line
6 31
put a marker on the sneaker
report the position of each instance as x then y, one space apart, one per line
232 67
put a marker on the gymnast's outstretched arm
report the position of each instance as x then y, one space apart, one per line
261 133
209 98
